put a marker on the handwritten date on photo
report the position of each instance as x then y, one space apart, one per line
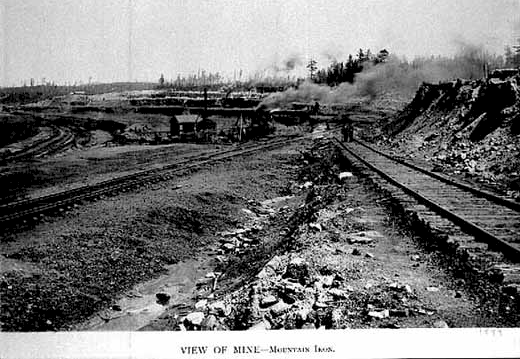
254 349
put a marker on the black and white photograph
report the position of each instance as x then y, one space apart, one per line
259 179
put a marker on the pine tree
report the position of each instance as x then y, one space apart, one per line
312 66
161 80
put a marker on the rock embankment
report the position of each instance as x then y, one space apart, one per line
467 128
343 265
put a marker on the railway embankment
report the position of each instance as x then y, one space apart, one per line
469 129
344 261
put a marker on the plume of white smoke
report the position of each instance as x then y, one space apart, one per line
286 65
291 62
306 92
394 76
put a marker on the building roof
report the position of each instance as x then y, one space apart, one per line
186 118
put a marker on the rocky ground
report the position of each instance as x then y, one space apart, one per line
62 271
467 129
338 259
290 238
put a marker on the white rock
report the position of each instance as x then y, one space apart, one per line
440 324
363 237
344 175
219 308
279 309
195 318
201 304
316 226
337 293
326 280
228 246
303 314
379 314
432 289
210 323
336 317
267 301
320 305
263 325
307 184
248 212
400 287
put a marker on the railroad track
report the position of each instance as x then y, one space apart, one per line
489 218
37 208
60 139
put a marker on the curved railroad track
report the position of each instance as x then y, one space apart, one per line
60 139
34 209
489 218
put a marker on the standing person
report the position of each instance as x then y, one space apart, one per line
345 132
316 108
350 131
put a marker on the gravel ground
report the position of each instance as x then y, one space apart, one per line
61 272
297 247
336 259
76 168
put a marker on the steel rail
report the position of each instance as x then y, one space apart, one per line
485 194
508 250
42 147
22 209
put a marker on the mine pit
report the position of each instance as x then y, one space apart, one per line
168 210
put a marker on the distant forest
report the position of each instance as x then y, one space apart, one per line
339 72
470 63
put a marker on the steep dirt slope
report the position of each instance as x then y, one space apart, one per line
469 128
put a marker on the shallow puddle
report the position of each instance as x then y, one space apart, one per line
139 307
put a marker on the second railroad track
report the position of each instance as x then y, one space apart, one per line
33 209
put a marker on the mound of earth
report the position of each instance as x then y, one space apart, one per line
469 128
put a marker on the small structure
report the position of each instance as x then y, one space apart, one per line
191 128
182 127
503 74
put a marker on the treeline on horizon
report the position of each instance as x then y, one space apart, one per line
469 62
381 70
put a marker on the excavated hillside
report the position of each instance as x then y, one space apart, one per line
469 129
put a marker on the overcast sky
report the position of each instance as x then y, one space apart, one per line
74 40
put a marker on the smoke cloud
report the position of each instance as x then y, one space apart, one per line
396 76
286 65
292 61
